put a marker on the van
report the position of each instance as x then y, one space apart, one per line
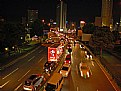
55 82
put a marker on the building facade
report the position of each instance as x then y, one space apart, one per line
106 13
32 16
61 13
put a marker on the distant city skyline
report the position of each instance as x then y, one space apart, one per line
76 9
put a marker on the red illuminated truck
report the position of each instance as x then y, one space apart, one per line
54 52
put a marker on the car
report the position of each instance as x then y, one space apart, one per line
68 46
68 59
82 46
65 70
84 70
49 41
69 50
33 82
49 66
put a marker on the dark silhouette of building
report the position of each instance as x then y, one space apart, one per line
61 13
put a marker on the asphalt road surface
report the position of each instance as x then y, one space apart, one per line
13 77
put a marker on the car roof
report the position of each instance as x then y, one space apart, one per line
66 65
68 55
55 78
33 76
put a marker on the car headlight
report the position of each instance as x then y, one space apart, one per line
60 72
88 74
66 73
46 69
81 73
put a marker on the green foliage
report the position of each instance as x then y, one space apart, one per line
37 28
11 35
116 35
101 38
88 28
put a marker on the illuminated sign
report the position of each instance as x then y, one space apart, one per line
52 54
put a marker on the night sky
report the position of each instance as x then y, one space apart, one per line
77 9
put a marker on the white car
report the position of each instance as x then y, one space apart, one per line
33 82
84 70
65 69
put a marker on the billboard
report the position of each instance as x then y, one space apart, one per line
52 54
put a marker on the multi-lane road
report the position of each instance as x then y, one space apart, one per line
13 77
97 82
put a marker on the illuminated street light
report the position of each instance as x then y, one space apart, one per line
43 20
6 49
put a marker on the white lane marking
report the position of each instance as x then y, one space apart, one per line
77 69
4 84
40 51
17 87
40 59
31 58
10 73
24 75
77 89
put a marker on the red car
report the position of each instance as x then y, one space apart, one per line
68 46
68 59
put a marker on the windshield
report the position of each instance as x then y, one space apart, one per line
65 68
27 83
50 87
68 58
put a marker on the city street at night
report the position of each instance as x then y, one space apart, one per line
13 77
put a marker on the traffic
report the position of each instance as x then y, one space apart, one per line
73 68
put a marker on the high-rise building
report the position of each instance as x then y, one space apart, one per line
107 12
32 15
61 11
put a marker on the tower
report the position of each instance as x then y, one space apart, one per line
107 12
61 11
32 16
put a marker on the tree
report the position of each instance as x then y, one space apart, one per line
88 28
12 35
37 28
116 35
101 38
